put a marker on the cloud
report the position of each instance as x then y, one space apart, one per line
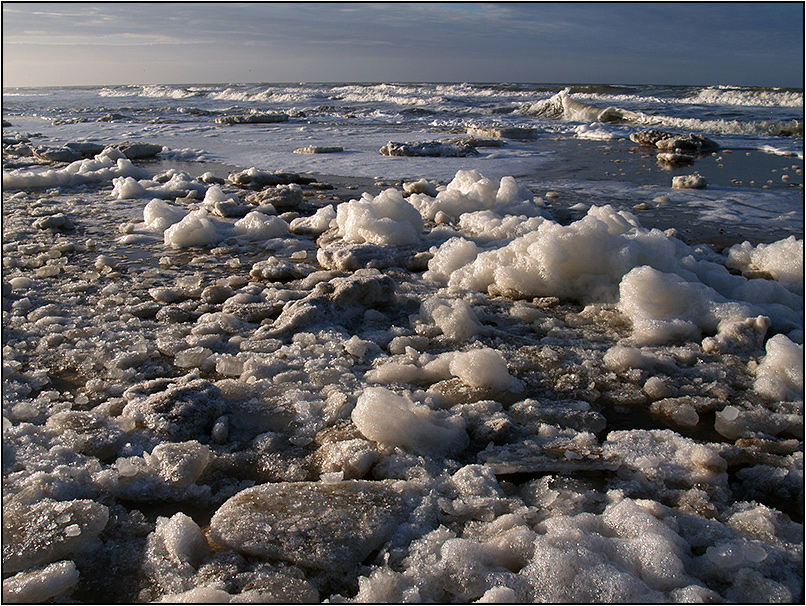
740 43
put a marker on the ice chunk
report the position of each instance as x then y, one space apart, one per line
37 534
39 586
663 456
183 539
180 463
689 182
326 526
394 420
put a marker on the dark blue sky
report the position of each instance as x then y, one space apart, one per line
743 43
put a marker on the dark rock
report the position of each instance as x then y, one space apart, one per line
137 151
318 149
252 119
428 148
58 221
86 148
57 154
672 142
258 179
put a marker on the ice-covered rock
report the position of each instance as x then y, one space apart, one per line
180 463
46 531
183 410
330 526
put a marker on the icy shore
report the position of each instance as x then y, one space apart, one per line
260 388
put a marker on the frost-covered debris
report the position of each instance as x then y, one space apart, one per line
438 394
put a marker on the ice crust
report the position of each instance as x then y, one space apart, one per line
440 394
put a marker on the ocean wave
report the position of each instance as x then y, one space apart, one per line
762 97
151 90
562 107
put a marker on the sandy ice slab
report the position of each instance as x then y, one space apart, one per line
325 526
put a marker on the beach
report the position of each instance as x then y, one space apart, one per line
537 372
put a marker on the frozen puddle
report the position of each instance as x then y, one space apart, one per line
276 392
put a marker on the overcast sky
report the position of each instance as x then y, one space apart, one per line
743 43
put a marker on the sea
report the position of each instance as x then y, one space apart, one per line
260 360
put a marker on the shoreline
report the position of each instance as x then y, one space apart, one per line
617 173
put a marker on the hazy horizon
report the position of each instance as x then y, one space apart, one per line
97 44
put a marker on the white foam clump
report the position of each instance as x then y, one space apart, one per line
454 317
386 219
317 223
469 191
664 307
395 420
257 226
216 194
160 215
106 166
484 368
783 260
487 225
171 184
779 376
195 229
584 260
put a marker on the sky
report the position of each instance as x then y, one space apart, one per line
86 43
